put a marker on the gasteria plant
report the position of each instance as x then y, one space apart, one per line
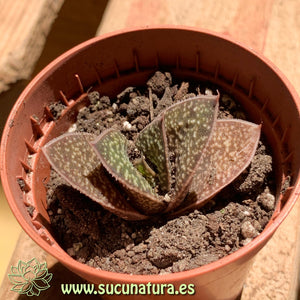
187 156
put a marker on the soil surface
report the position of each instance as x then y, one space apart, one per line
100 239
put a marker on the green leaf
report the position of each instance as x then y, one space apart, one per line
228 153
111 147
188 126
72 156
152 142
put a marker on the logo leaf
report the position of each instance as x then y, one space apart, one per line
41 284
21 266
19 287
14 270
29 281
26 288
16 278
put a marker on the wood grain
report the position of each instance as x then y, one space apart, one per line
24 27
246 20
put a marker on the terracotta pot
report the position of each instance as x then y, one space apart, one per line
114 61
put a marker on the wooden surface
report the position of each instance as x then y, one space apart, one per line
247 20
269 26
24 25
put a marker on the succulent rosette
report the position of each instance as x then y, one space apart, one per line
30 277
187 155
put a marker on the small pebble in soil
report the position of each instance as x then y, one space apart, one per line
114 107
247 213
248 230
127 126
227 248
72 128
208 92
267 200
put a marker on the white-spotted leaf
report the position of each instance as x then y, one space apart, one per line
228 153
111 147
187 157
152 142
72 156
188 126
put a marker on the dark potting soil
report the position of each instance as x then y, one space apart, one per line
160 245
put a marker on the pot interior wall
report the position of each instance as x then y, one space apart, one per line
112 63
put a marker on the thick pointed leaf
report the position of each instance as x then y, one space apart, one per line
152 142
111 147
72 156
188 126
228 153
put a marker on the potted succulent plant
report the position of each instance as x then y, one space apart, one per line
113 62
209 154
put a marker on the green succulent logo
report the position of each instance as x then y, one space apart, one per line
30 277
